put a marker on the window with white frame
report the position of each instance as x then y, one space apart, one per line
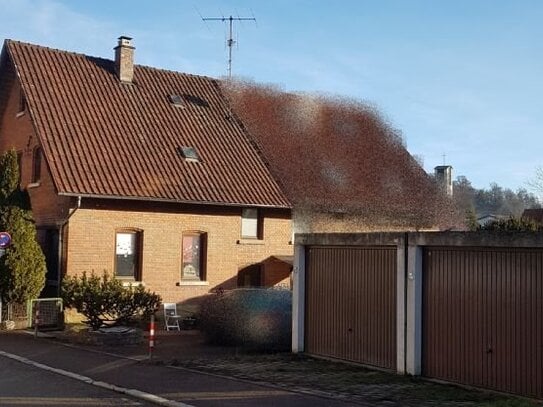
193 256
128 254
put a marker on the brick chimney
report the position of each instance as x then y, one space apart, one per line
124 59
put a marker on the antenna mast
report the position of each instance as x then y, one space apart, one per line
230 41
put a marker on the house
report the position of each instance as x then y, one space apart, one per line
137 171
488 218
188 184
533 214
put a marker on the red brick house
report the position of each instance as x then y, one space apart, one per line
141 172
148 174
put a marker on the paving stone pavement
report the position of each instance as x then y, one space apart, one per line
335 380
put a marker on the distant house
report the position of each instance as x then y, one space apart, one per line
150 175
489 218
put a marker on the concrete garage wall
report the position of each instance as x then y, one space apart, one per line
468 305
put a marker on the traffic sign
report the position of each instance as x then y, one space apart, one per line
5 240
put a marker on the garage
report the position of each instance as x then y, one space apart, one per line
350 303
483 317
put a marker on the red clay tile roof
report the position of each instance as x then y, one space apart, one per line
338 155
104 138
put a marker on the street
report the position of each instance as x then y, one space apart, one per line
180 387
24 385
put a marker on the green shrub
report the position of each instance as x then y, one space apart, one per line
248 317
512 225
105 301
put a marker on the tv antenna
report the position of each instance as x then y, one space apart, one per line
230 41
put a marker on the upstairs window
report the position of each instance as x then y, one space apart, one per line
188 153
251 224
36 164
194 256
22 102
177 100
128 254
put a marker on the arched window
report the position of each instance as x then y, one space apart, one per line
36 164
128 251
22 102
193 246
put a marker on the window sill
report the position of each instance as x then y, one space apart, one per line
133 283
33 185
191 283
250 241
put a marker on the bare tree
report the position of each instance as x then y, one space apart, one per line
536 183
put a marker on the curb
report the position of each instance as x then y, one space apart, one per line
143 358
138 394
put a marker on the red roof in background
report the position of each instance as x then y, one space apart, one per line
533 214
338 155
104 138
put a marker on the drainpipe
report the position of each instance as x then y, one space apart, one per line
61 241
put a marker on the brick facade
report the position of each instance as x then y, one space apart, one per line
91 244
17 132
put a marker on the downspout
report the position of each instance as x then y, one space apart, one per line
406 280
61 242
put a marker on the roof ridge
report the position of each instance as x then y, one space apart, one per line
44 47
154 68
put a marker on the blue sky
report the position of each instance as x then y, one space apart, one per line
462 78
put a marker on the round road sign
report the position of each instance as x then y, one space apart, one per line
5 240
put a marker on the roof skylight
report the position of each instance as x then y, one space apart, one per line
177 100
188 153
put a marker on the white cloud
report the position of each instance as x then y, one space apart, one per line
51 23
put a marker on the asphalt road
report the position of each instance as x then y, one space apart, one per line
179 386
24 385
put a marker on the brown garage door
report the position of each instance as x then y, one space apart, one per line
350 308
483 318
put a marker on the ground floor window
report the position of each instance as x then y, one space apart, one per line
194 256
128 254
